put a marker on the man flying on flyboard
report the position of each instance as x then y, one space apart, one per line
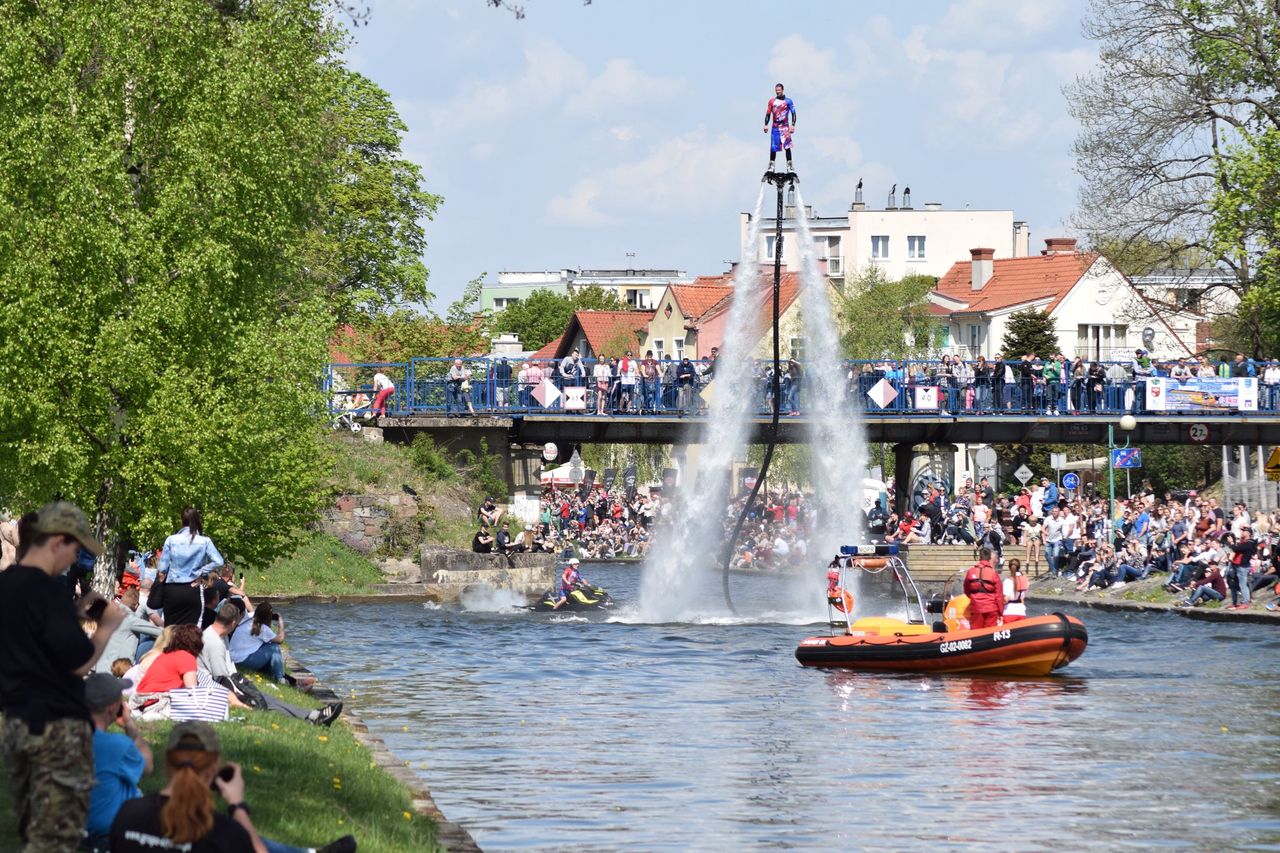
780 117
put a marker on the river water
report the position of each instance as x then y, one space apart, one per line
549 731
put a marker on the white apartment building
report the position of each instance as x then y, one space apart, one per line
900 240
639 288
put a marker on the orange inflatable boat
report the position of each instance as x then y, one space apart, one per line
1034 646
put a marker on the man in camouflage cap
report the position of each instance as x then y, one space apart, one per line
47 737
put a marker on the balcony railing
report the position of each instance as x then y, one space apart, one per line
508 387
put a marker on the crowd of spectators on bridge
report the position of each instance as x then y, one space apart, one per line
1050 385
1204 551
592 524
633 384
84 674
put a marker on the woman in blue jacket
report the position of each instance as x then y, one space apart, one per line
187 556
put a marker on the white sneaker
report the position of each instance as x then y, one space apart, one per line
1118 584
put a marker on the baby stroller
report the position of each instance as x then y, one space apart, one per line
348 417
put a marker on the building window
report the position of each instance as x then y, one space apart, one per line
879 248
768 246
657 347
678 343
638 299
1102 342
975 340
501 302
797 348
915 248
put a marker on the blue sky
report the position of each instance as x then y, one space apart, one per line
582 133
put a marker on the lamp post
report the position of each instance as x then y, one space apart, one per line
1128 423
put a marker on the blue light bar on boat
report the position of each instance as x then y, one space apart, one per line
883 549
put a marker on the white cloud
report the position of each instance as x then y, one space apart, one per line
623 134
620 84
688 174
1001 23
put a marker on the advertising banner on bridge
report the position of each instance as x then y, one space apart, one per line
1202 394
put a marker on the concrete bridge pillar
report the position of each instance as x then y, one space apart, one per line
917 463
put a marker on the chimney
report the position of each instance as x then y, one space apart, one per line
1021 239
1059 246
982 267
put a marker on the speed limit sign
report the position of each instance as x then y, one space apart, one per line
1199 433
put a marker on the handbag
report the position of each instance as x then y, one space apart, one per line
206 704
244 690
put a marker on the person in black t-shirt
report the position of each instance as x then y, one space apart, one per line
482 542
48 734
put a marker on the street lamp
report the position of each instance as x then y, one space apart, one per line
1128 423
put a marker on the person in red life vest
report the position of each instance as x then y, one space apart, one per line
986 598
837 597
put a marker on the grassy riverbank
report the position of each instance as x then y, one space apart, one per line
321 565
307 785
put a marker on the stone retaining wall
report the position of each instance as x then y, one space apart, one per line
446 573
360 521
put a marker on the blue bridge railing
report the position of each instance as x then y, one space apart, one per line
489 386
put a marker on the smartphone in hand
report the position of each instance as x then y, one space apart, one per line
226 774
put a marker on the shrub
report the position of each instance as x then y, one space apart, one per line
429 460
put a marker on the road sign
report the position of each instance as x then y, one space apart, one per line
1273 462
1024 474
882 393
1071 480
1126 457
1199 433
985 457
1057 461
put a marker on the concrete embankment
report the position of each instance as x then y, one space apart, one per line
1050 592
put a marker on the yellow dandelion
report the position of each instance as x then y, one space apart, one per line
275 725
322 738
408 815
257 769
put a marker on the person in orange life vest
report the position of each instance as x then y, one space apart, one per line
986 598
1015 592
837 597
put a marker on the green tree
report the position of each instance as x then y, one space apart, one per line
1030 332
649 460
544 315
1177 142
366 250
164 165
878 318
790 465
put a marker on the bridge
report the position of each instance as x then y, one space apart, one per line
906 404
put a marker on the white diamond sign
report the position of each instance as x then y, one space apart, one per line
1024 474
882 393
546 394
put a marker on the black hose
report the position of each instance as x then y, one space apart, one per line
781 180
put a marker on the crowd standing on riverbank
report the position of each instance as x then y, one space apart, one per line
599 524
1209 552
77 664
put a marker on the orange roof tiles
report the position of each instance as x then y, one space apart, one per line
694 300
1015 281
604 329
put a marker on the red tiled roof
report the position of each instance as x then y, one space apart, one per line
694 300
788 290
603 328
1015 281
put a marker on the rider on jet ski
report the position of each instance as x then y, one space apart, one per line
569 580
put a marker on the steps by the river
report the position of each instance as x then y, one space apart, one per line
933 565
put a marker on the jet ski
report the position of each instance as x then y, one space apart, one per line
584 596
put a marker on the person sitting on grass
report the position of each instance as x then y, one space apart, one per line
216 660
182 816
255 646
119 760
176 665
